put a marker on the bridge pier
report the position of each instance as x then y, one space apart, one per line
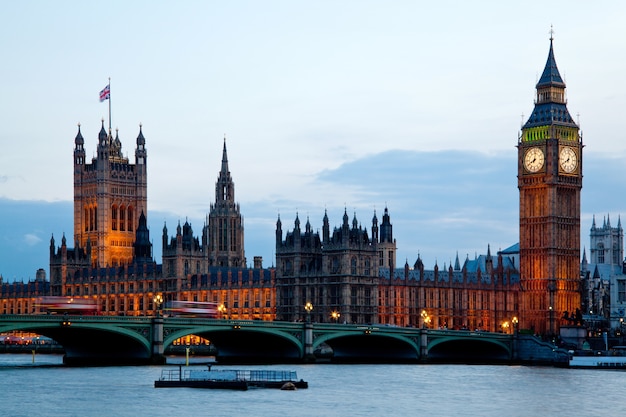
423 355
308 342
158 356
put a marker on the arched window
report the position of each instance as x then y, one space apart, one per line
131 218
114 218
122 218
600 253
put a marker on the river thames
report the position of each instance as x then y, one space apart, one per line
46 388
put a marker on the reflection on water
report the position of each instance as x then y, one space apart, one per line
47 389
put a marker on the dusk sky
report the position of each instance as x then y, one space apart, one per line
325 105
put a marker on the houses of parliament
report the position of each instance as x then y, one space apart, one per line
348 272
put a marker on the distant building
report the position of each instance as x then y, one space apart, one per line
604 276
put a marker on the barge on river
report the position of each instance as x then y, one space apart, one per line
235 379
615 358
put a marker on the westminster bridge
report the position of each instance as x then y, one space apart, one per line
99 340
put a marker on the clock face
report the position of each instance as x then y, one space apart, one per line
568 160
534 159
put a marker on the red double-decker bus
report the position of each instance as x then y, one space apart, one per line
68 305
192 309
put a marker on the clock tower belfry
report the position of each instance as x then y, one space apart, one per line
549 181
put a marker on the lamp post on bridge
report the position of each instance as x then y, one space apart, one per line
335 315
308 307
158 356
158 300
308 334
425 319
222 310
505 327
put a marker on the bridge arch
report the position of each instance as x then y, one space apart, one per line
241 343
89 341
369 346
468 348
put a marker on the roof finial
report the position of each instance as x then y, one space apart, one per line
551 33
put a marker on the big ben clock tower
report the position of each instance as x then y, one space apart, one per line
549 181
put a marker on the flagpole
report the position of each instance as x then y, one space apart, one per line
109 105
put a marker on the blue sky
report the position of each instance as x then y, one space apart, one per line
352 105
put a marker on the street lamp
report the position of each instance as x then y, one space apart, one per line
308 307
335 315
158 300
222 309
515 321
425 319
505 327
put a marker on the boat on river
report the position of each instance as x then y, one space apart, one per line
234 379
615 358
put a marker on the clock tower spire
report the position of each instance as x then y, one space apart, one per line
549 181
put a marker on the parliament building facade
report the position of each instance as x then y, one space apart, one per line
346 274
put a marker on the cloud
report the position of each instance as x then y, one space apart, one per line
31 239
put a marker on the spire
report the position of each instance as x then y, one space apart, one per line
224 187
102 136
79 141
140 139
551 75
550 104
224 158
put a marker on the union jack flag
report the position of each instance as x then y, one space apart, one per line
105 94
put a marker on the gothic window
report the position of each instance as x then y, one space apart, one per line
367 267
186 267
353 266
86 219
268 298
131 219
621 291
91 218
600 253
122 219
335 268
616 260
114 218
